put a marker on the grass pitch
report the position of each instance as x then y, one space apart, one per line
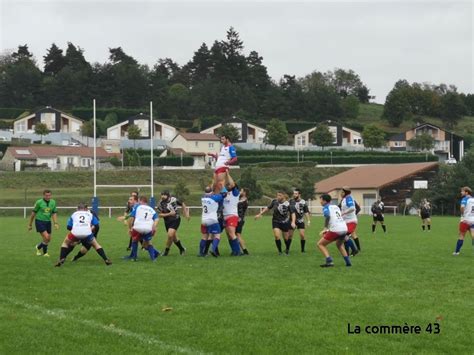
263 303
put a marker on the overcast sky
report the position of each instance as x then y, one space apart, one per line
423 41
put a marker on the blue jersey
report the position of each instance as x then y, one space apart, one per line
464 200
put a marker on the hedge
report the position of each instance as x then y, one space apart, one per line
352 159
11 112
322 153
167 161
86 113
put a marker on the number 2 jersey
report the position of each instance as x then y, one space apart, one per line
468 203
336 222
144 218
80 223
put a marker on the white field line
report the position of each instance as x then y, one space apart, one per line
62 314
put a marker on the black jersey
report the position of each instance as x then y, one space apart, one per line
281 211
378 208
425 209
170 205
299 207
242 208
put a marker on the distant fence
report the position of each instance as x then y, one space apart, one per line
111 211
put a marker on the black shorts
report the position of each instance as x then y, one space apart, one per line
283 226
239 227
425 216
300 225
173 224
42 226
378 218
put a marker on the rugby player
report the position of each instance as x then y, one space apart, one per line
95 231
425 214
467 218
168 209
280 220
143 221
231 214
43 211
349 214
377 209
242 209
299 209
81 225
210 228
226 157
335 229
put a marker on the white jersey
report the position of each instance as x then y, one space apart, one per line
144 218
468 215
227 152
336 222
81 224
210 205
348 203
231 203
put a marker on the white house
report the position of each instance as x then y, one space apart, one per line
343 137
198 145
248 133
161 130
52 157
446 144
55 120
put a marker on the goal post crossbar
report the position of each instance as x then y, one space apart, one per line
123 186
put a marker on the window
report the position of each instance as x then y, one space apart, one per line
49 119
211 145
21 126
70 160
85 162
196 144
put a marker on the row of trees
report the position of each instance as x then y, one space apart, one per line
219 80
405 101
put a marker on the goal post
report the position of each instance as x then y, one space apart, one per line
151 130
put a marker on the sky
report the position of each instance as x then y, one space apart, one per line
382 41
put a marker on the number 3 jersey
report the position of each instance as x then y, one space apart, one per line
336 222
210 205
81 223
144 218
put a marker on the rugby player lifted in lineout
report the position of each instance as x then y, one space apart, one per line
226 157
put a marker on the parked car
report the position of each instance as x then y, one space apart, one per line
451 161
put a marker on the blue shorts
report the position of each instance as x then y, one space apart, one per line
146 237
43 226
211 229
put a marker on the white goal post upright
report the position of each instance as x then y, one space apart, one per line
95 199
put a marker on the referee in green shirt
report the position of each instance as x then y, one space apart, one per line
44 210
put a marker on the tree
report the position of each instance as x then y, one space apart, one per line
277 133
248 181
423 141
53 60
452 109
134 132
373 136
307 186
397 105
322 136
41 129
230 131
87 130
181 191
350 106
